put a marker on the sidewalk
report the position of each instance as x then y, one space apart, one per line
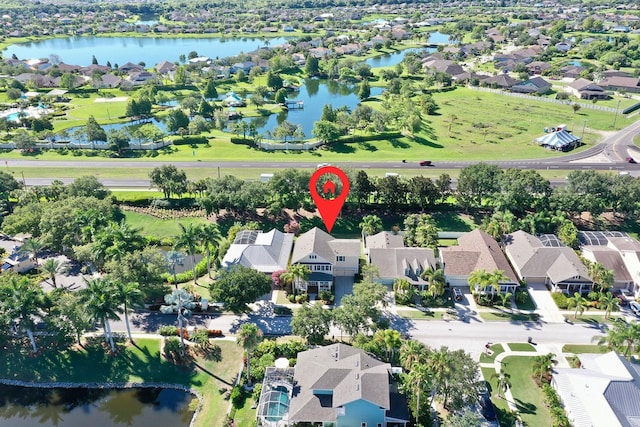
540 349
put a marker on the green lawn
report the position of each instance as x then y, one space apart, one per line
521 346
527 303
157 227
496 350
528 397
417 314
512 317
142 363
502 409
584 348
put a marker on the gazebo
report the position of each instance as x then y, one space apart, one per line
560 140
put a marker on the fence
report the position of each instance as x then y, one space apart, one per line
271 146
100 145
544 99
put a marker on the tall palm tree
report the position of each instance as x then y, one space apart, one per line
101 305
33 247
22 299
440 367
371 224
188 240
505 299
52 267
248 338
602 277
413 353
419 379
210 238
608 302
391 340
174 259
181 302
503 382
497 276
295 275
436 280
580 302
130 296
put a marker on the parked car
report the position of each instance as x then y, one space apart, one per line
486 406
630 160
635 308
322 165
457 294
623 295
425 163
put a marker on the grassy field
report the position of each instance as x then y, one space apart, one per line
502 408
141 363
465 128
496 349
584 348
161 228
417 314
528 397
509 317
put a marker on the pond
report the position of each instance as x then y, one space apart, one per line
391 59
438 38
117 126
120 50
315 94
76 407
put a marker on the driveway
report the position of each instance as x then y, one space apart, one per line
545 306
344 286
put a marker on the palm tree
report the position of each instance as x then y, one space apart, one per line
543 366
391 340
478 280
622 338
371 224
295 275
505 299
33 246
418 380
22 299
497 276
440 367
181 302
188 240
130 296
602 277
436 280
413 353
580 302
210 237
101 305
52 267
174 259
248 338
609 303
503 382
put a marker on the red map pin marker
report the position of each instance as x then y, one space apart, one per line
329 207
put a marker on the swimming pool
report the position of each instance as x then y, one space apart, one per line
278 404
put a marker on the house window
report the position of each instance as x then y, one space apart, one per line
341 258
313 256
363 425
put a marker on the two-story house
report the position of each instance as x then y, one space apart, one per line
326 257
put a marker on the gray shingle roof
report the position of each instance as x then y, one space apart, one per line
349 372
391 262
316 241
384 239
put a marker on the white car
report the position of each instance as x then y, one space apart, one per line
322 165
635 308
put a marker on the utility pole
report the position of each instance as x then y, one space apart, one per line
616 115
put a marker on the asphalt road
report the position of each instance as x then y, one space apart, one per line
470 336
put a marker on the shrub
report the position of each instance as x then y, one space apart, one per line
326 296
302 298
168 331
201 338
237 396
201 269
282 311
214 333
291 298
561 300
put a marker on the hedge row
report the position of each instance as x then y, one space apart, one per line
201 270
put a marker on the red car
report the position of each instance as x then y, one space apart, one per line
425 163
630 160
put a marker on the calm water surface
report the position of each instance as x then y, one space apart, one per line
120 50
26 407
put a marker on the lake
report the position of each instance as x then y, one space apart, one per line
391 59
120 50
26 407
315 94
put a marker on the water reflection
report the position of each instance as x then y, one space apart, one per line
25 407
